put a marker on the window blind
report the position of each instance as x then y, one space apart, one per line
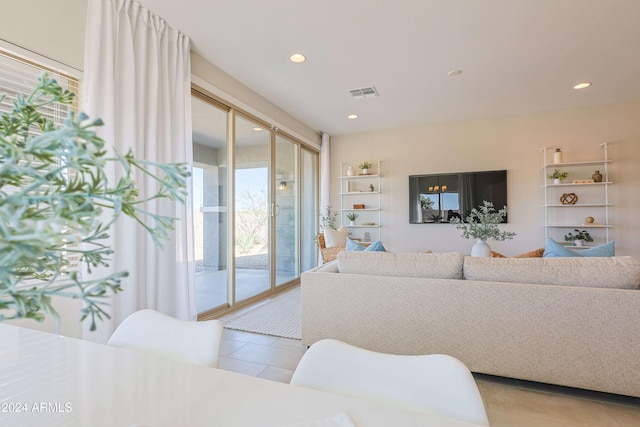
20 76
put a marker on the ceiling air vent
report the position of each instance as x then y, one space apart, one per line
363 93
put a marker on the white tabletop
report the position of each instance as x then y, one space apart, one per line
50 380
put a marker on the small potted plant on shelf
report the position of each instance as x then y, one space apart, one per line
579 237
558 176
352 218
365 166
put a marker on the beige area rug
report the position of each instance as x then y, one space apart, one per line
280 317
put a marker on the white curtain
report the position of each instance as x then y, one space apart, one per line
325 172
325 177
137 79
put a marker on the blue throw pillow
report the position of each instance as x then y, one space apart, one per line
353 246
608 249
555 249
375 247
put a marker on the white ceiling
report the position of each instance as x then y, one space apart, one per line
516 56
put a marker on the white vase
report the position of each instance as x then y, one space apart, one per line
352 222
557 157
578 242
365 171
349 171
480 249
556 181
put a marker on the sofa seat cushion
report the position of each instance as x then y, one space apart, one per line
606 272
431 265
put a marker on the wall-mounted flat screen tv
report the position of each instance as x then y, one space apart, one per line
437 198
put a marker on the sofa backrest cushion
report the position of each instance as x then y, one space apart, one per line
606 272
420 264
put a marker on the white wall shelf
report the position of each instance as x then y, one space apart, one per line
578 184
593 197
582 205
579 226
355 190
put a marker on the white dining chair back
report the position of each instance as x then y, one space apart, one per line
155 332
429 383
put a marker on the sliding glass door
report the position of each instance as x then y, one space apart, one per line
286 211
254 222
252 208
308 208
209 200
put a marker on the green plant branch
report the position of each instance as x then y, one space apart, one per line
482 223
54 193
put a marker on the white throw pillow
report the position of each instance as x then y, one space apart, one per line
335 238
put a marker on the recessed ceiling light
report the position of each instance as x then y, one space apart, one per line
257 129
582 85
297 58
352 116
453 73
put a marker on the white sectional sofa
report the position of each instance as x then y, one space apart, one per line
566 321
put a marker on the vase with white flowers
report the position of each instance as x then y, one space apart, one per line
482 225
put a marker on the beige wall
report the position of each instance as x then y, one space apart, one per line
236 93
54 29
511 143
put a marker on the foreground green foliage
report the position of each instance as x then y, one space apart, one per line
56 202
482 223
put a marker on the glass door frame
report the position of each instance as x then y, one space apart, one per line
276 210
232 285
203 96
234 112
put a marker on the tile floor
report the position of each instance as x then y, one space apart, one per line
509 403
